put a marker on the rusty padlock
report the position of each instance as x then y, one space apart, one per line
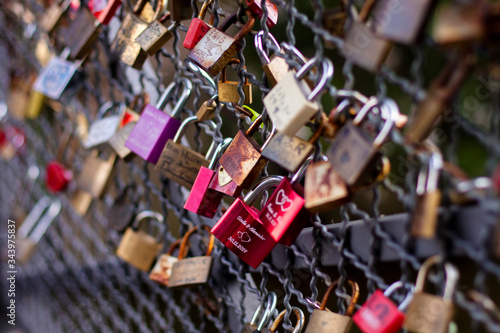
228 90
299 325
162 270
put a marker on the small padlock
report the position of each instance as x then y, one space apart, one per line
267 312
430 313
198 28
182 164
379 314
223 183
82 33
240 229
180 10
214 51
298 326
156 35
207 109
95 173
104 10
291 104
58 173
155 127
34 227
228 90
192 271
162 270
105 126
275 67
256 7
323 320
425 213
54 15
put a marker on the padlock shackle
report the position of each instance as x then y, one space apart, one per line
326 76
194 119
247 27
135 101
388 124
354 296
302 170
259 46
201 74
255 125
295 51
40 218
174 245
264 185
218 152
230 20
223 72
298 314
271 300
204 8
401 285
184 244
147 214
428 177
451 273
167 95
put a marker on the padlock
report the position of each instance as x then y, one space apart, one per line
156 35
162 270
198 28
180 10
274 67
54 15
124 45
240 229
192 271
242 160
299 325
379 314
228 90
223 183
425 213
82 33
323 320
267 312
203 200
12 142
80 201
137 247
207 109
256 7
104 10
180 163
34 228
95 173
430 313
105 126
214 51
291 104
284 215
353 164
439 96
155 127
123 208
58 173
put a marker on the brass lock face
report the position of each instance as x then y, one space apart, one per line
289 152
428 313
191 271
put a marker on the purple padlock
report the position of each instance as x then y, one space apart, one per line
155 127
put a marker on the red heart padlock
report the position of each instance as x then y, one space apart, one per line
198 28
272 11
57 176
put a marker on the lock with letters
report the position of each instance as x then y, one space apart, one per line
323 320
291 103
139 248
274 67
162 270
214 51
155 127
95 173
105 126
156 35
299 325
379 314
228 90
198 28
240 229
180 163
192 271
431 313
266 315
82 33
104 10
180 10
58 173
34 227
256 6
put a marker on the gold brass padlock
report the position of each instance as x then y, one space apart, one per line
430 313
95 174
327 321
228 90
162 270
298 326
156 35
267 312
139 248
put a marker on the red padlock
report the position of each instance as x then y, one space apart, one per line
272 11
198 28
379 314
58 175
240 230
104 10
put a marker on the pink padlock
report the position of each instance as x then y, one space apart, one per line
198 28
272 11
155 127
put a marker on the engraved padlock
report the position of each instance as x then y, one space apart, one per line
192 271
58 173
291 103
162 269
299 325
323 320
107 122
214 51
267 311
104 10
82 33
180 163
156 35
198 28
228 90
155 127
95 173
257 7
34 227
139 248
430 313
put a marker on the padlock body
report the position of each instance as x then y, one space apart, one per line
57 176
276 70
379 315
326 321
425 215
230 188
201 199
118 140
162 270
139 249
288 106
425 116
82 34
240 230
289 152
154 37
459 24
95 174
191 271
257 8
152 131
180 164
228 92
54 78
197 29
206 111
104 10
428 313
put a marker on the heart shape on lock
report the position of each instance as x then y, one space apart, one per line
283 201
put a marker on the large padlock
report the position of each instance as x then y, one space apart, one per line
180 10
192 271
228 90
82 34
180 163
58 173
162 270
430 313
95 173
323 320
214 51
425 213
275 67
198 28
240 229
33 228
299 325
138 247
107 122
379 314
104 10
267 312
291 103
156 35
257 7
155 127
